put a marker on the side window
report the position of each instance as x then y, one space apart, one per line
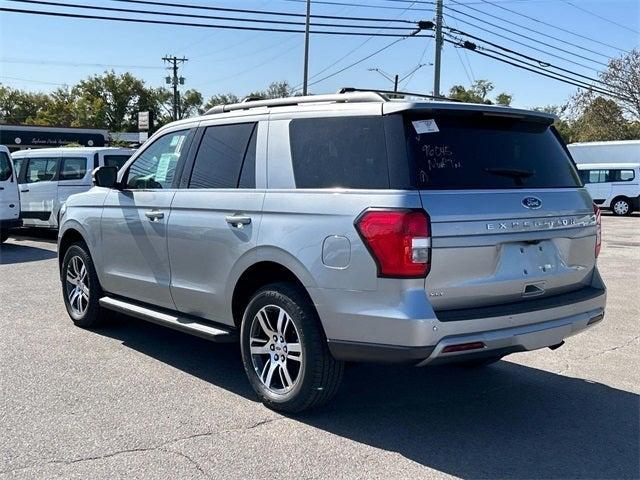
220 157
5 167
594 176
584 176
41 169
17 165
117 161
348 152
605 175
156 166
248 174
73 168
627 175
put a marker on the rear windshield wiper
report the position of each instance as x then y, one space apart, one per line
517 175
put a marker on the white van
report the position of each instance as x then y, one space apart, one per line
48 176
9 197
613 186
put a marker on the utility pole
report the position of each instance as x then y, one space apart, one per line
175 80
395 82
305 80
438 55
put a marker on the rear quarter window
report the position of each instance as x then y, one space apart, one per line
476 151
339 152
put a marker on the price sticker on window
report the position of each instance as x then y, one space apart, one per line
425 126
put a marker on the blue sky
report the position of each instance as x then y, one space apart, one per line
39 53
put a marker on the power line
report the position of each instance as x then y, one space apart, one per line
524 27
600 17
366 58
534 69
523 36
350 4
33 81
188 24
524 44
258 12
197 16
76 64
537 20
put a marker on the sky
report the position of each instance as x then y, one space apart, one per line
39 53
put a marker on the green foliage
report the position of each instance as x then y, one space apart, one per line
478 93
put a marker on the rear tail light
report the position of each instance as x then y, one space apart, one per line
399 241
596 210
463 347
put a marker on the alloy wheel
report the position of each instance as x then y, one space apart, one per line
276 352
77 284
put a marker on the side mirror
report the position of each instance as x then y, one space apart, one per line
106 177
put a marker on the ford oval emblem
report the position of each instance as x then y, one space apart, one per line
532 203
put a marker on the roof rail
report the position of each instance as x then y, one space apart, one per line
347 97
392 93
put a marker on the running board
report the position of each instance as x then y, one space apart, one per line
200 328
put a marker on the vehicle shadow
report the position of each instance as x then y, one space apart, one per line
11 253
505 421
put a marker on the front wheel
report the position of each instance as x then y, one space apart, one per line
81 288
621 207
285 352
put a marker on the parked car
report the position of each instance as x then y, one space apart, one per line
613 186
9 197
48 176
346 227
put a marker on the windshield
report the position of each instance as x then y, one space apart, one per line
477 151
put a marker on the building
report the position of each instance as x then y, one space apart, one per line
24 137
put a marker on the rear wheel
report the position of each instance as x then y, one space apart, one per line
621 206
3 236
81 288
285 352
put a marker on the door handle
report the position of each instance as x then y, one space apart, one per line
154 215
25 190
238 221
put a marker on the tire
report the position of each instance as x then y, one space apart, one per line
478 362
80 287
4 236
286 379
621 207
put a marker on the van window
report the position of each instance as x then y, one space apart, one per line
5 167
346 152
73 168
117 161
220 156
41 169
623 176
17 166
476 151
156 165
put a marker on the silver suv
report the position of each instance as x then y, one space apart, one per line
346 227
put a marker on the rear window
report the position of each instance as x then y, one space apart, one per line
5 167
475 151
116 160
344 152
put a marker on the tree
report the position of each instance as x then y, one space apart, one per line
221 99
602 120
478 93
19 107
113 101
623 76
564 127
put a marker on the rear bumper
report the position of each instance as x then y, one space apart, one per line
11 223
420 335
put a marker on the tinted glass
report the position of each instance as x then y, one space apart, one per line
219 159
475 151
41 169
248 174
623 175
5 167
156 166
73 168
347 152
117 161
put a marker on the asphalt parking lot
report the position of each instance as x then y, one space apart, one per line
133 400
